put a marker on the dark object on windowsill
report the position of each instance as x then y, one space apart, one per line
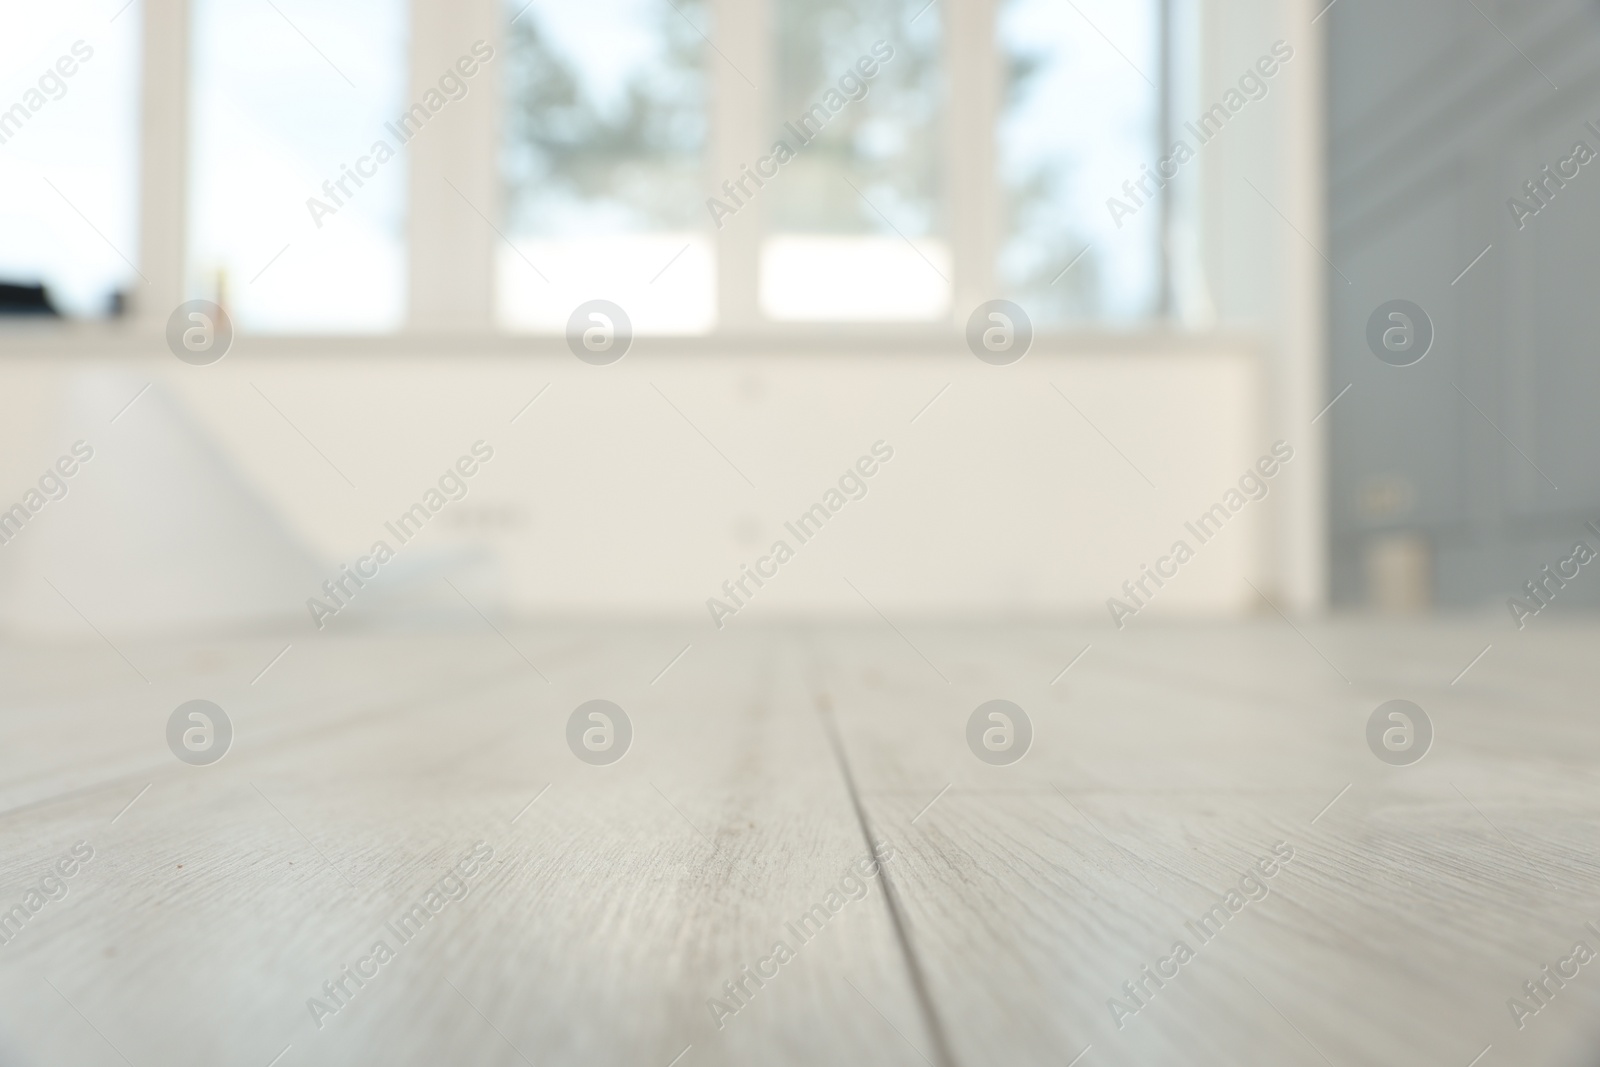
26 300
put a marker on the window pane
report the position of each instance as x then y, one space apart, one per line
856 213
605 133
69 151
286 97
1078 121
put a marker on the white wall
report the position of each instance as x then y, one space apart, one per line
1264 235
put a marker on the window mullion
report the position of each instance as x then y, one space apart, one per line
163 159
973 210
454 170
742 74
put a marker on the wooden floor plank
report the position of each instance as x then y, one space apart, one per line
613 909
1161 770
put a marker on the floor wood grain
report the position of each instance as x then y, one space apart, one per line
618 900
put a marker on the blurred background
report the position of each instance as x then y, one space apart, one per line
308 409
399 245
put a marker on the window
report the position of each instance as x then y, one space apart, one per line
69 153
1080 117
611 125
288 99
856 217
605 122
707 164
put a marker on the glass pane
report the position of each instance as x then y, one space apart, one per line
856 212
288 100
69 133
603 160
1079 120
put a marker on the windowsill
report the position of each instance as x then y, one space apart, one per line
72 338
